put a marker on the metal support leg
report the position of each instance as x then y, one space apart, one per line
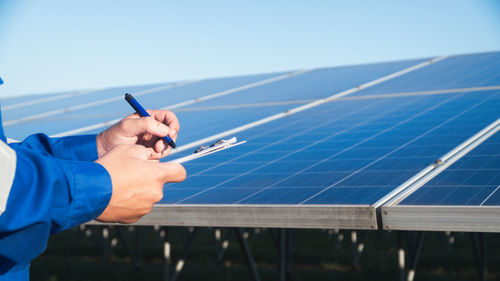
381 237
415 242
106 245
180 263
401 257
274 236
247 254
128 247
479 245
290 239
218 245
221 243
281 255
450 239
139 237
358 244
166 254
408 258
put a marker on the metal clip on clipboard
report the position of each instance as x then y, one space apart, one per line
207 150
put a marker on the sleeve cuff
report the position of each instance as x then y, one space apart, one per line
80 148
92 189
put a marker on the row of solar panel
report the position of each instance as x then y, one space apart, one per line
343 152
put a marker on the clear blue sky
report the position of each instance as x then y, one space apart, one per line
55 45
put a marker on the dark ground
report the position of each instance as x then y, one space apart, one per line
317 255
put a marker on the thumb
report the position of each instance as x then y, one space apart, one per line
172 172
138 126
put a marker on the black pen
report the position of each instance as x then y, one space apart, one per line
143 113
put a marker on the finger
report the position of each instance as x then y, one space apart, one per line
132 116
160 146
174 135
166 117
142 125
137 151
166 152
155 157
160 150
172 172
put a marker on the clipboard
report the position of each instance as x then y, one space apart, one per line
211 149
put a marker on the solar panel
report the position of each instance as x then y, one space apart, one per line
355 158
316 84
463 197
103 106
361 135
80 116
326 147
456 72
473 180
57 104
7 102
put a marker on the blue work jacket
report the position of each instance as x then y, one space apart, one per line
56 186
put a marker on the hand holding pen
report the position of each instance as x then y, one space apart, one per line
148 132
143 113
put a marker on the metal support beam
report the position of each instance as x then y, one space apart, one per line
274 236
449 240
401 257
180 263
358 245
408 257
221 243
285 238
106 245
415 242
479 246
289 248
247 254
136 262
166 254
337 235
139 238
281 254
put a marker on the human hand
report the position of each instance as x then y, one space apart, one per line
146 131
137 182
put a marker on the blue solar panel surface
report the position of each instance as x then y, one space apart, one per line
466 71
80 97
77 118
349 152
328 80
474 180
8 101
316 84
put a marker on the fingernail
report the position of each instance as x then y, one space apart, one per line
163 128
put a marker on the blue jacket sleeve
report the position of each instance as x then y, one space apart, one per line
48 195
81 148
